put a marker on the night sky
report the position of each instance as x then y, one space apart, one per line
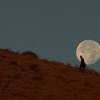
51 28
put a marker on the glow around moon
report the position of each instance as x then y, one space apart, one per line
90 50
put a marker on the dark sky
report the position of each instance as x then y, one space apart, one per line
51 28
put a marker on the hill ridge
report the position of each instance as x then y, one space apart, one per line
27 78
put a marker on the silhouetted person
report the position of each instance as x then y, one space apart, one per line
82 65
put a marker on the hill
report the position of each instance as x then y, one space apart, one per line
24 77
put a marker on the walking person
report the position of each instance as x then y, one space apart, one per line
83 64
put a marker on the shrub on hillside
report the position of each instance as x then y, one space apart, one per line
30 53
34 67
13 62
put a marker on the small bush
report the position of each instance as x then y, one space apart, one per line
38 78
7 50
30 53
34 67
57 62
14 62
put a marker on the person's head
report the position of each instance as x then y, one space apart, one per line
81 57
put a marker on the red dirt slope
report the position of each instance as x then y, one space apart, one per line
24 77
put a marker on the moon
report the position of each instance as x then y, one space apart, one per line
89 50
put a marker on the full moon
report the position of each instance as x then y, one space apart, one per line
89 50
